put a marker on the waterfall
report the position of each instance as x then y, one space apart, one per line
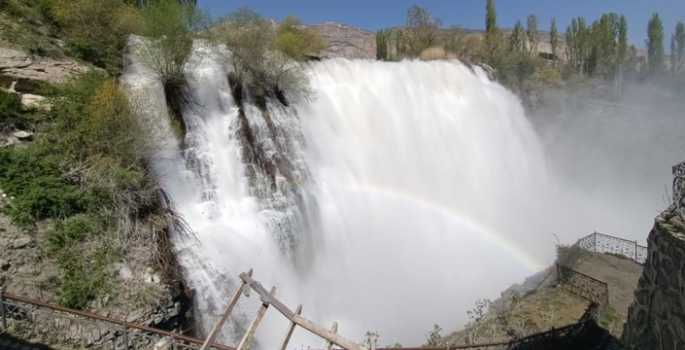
397 197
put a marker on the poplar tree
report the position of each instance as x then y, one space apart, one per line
554 41
532 33
492 33
680 45
655 44
517 38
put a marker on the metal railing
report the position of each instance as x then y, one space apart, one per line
87 330
678 172
582 285
601 243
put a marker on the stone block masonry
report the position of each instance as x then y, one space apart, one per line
656 319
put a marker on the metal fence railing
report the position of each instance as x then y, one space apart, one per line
601 243
678 172
25 316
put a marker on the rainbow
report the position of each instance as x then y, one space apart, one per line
449 212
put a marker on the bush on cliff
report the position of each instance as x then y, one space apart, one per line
296 41
85 172
257 66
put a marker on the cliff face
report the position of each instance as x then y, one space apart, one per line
345 41
656 320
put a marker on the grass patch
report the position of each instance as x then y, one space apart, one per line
608 318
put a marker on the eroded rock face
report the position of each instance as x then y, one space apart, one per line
24 72
656 320
347 42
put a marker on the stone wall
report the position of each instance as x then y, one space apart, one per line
656 320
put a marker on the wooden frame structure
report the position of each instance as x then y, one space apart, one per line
331 336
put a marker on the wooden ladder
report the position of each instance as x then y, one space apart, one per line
331 336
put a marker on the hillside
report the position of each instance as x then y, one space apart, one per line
541 303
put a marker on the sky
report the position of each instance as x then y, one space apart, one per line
377 14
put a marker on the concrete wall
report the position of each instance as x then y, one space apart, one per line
656 320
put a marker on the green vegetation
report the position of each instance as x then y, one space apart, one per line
95 31
532 33
434 337
10 109
492 33
86 173
262 56
296 41
678 48
655 44
554 42
609 317
596 53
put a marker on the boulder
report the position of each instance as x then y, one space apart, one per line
21 242
9 142
163 344
34 101
23 135
24 72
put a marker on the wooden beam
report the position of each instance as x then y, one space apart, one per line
334 329
299 320
217 327
327 334
266 297
291 328
255 322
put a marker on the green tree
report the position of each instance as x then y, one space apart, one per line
492 33
297 41
532 34
170 28
382 45
250 38
517 40
96 31
578 38
655 44
622 39
603 60
680 45
554 41
673 58
421 31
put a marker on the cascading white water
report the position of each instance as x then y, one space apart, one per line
424 186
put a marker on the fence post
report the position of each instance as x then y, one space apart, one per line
635 251
125 336
2 309
595 247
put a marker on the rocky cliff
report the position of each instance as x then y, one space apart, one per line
656 319
345 41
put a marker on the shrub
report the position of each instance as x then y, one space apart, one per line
84 276
72 231
549 76
10 107
296 41
32 176
95 30
250 37
436 53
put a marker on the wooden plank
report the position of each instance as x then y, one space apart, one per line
334 329
327 334
299 320
217 327
255 322
266 297
291 328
